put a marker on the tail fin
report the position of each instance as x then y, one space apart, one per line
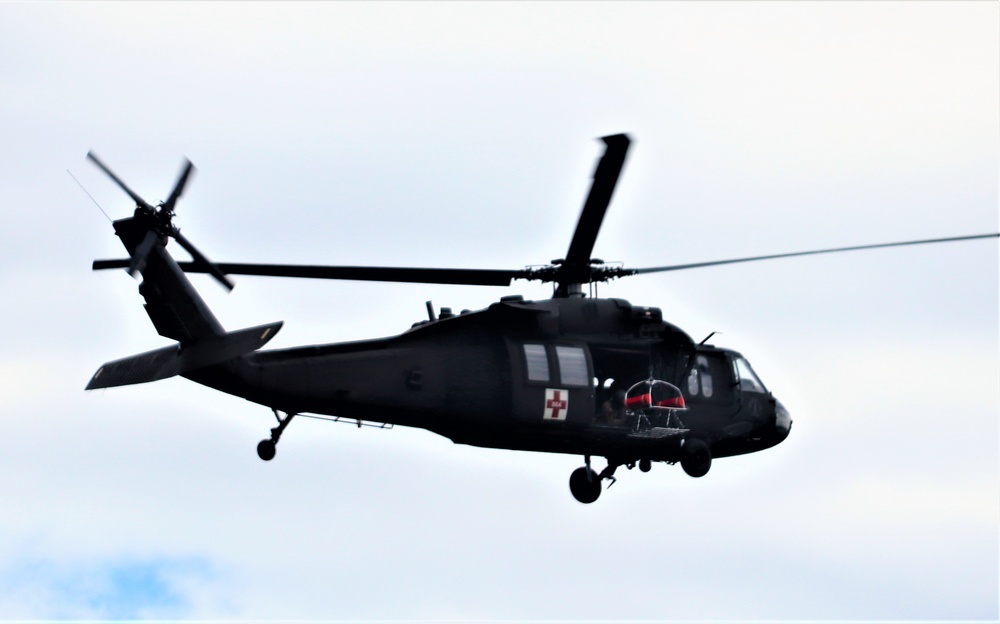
177 359
175 307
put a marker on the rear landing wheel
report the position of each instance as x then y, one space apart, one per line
266 450
585 485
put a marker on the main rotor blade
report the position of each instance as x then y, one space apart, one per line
697 265
135 197
605 179
205 265
179 186
468 277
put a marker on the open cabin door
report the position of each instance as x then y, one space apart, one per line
551 382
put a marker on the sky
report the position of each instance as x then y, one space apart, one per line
465 135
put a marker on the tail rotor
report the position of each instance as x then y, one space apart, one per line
160 221
139 202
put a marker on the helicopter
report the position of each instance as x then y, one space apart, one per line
572 374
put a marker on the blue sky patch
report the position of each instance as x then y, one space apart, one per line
117 590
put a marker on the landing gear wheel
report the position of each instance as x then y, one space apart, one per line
645 465
585 485
697 458
266 450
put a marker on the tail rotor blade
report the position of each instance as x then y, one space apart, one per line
179 186
200 259
135 197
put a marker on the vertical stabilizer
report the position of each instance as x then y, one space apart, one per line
175 307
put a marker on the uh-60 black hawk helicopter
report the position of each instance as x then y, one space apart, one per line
571 374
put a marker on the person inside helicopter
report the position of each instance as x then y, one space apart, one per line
611 402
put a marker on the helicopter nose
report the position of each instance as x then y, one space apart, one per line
782 421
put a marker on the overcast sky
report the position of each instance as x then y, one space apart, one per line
464 135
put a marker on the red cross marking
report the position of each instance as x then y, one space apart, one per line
556 403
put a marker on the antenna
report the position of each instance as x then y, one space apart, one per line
706 338
90 196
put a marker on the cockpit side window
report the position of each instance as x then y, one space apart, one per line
694 383
748 379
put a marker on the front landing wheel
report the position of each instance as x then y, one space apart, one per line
266 450
585 484
697 458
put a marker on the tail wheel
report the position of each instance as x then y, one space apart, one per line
697 458
585 484
267 448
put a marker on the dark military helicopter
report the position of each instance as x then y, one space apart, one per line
571 374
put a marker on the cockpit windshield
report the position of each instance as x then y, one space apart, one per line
748 379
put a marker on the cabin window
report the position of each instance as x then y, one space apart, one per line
573 366
537 362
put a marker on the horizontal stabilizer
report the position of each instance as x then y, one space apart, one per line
174 360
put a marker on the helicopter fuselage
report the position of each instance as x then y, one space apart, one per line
524 375
571 374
